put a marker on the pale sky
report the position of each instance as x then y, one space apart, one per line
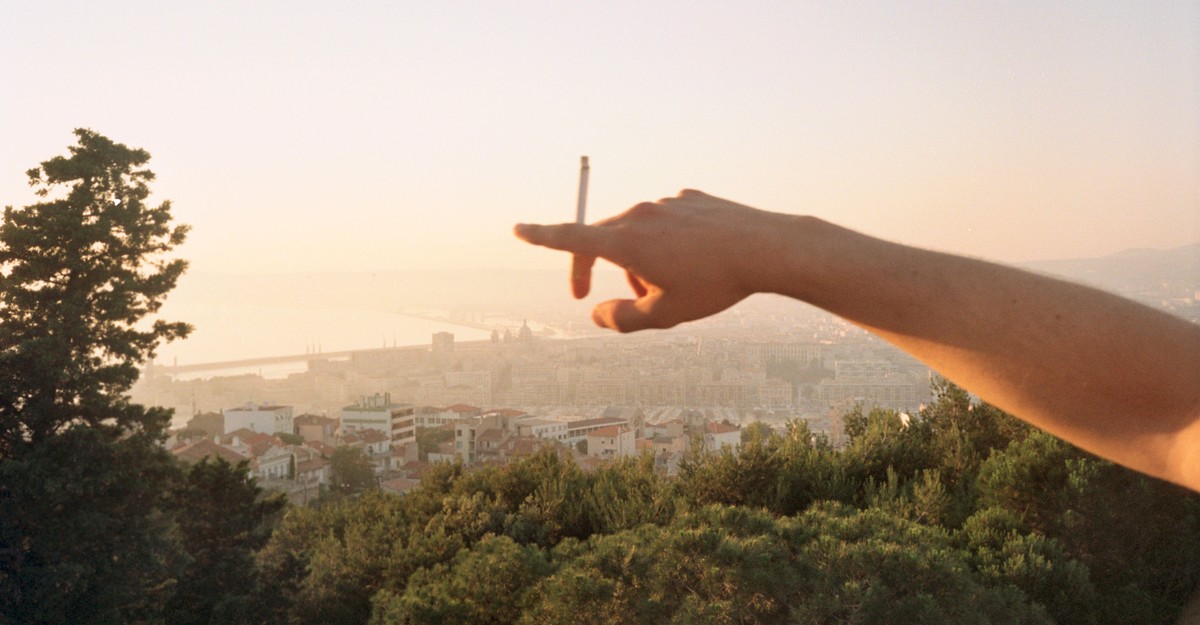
407 135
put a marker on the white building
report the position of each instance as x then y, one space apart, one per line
261 419
543 428
718 435
578 429
274 463
614 441
377 412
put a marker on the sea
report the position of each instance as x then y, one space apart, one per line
230 332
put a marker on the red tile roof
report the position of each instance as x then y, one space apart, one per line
314 464
713 427
612 430
195 452
601 421
371 435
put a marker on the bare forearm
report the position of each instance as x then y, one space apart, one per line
1113 376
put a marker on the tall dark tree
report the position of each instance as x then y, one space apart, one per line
78 274
82 479
223 520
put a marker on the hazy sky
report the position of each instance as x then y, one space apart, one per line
398 135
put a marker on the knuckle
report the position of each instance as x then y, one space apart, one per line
644 209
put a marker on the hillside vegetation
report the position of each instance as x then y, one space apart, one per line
964 515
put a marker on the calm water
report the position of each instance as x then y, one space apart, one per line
225 332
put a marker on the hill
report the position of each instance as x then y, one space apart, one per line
1139 273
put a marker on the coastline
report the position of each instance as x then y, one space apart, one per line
245 338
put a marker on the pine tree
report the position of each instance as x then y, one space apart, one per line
82 479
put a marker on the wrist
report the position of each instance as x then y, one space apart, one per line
787 255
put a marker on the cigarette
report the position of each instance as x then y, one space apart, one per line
583 176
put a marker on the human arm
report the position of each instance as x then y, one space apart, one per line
1117 378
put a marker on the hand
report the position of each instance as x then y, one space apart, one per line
686 257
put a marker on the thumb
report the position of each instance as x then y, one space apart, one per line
626 315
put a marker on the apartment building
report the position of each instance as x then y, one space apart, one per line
262 419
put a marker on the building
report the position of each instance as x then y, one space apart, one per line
776 394
311 468
578 429
274 463
543 428
465 387
898 391
614 441
432 417
211 423
378 412
261 419
192 453
721 435
537 384
311 427
873 384
467 433
806 354
442 348
484 432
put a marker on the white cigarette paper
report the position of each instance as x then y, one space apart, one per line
583 179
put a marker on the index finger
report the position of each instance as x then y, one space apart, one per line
575 238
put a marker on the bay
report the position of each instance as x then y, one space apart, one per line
229 331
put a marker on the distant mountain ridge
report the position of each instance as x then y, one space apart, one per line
1133 272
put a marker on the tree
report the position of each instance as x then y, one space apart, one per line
352 472
79 275
492 583
428 440
223 520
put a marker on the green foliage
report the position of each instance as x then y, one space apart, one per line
717 565
1139 537
628 494
756 430
289 438
959 516
83 482
223 520
738 478
1033 479
83 535
876 567
78 274
493 583
809 471
351 471
1039 566
188 433
883 440
428 440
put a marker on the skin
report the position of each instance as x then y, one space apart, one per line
1117 378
